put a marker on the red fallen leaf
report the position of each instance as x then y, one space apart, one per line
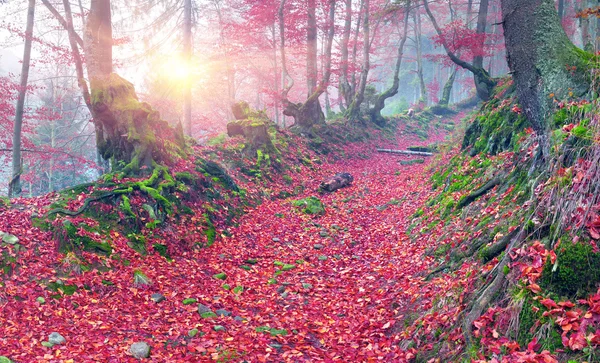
549 303
534 287
533 345
566 304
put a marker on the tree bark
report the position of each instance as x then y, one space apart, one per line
187 54
344 84
481 29
542 59
353 111
447 91
352 89
14 187
483 82
311 47
419 47
375 112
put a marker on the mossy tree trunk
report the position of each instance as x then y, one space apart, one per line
542 59
447 91
128 132
375 112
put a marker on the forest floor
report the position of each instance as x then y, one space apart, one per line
286 286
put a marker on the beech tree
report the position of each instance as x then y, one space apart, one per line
14 187
128 132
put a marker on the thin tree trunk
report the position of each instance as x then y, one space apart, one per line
14 187
344 85
469 13
352 89
481 29
311 47
275 72
561 9
419 47
187 55
379 105
447 91
354 108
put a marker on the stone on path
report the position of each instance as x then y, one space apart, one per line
140 350
55 338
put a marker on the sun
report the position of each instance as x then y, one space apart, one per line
176 69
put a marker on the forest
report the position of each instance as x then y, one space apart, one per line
300 181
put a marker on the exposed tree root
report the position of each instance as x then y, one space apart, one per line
479 192
490 291
495 249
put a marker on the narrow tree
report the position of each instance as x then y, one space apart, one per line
375 112
344 83
187 54
419 63
353 110
14 187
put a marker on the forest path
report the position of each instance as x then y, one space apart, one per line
332 287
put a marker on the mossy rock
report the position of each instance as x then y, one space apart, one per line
310 205
576 271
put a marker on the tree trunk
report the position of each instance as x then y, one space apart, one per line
483 82
353 111
128 132
311 47
344 84
541 58
561 10
309 113
447 91
418 46
187 55
14 187
481 29
375 112
352 89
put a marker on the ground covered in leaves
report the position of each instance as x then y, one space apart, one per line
299 277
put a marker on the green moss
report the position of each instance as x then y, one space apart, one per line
310 205
126 206
210 232
576 271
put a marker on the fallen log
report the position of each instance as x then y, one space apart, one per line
405 152
336 182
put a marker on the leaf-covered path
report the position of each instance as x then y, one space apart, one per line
279 286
